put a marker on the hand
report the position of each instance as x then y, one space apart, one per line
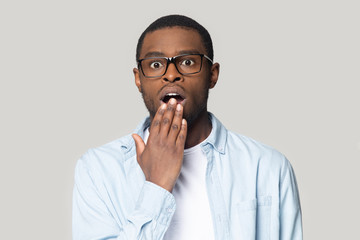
161 158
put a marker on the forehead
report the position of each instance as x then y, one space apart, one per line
172 41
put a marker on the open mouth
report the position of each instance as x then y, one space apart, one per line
176 96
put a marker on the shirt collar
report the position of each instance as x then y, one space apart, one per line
218 136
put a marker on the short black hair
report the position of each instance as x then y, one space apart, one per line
178 21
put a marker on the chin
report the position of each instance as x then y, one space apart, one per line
191 118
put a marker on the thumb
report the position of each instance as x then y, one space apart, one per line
139 143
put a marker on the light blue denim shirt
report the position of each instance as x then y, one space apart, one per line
251 187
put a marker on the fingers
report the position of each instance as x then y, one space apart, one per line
168 117
176 122
181 138
156 122
139 143
168 122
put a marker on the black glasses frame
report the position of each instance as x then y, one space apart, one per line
172 60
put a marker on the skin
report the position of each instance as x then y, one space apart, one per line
174 126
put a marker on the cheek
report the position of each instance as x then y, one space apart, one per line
149 92
147 87
200 89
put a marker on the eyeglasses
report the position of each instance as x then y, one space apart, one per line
186 64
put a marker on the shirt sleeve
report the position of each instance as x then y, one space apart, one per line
92 219
290 210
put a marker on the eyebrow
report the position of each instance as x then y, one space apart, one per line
154 54
191 51
161 54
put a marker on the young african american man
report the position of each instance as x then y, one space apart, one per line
182 174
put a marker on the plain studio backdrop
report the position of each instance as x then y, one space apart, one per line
289 78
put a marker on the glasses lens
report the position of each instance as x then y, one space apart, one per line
185 64
188 64
153 67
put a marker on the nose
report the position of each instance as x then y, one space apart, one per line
172 74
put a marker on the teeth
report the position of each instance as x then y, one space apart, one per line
172 94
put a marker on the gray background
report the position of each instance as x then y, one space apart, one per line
289 78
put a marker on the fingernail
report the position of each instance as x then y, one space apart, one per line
178 107
172 101
163 106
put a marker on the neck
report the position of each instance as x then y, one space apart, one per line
198 130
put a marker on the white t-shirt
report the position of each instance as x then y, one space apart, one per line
192 218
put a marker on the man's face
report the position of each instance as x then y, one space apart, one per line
189 90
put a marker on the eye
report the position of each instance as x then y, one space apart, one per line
187 62
156 64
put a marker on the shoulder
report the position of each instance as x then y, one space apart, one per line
119 150
112 159
243 149
108 156
269 165
256 151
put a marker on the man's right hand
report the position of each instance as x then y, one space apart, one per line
161 158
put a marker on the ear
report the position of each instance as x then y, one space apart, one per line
137 79
214 74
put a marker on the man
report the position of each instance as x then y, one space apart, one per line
182 174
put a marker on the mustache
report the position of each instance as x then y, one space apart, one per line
171 85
